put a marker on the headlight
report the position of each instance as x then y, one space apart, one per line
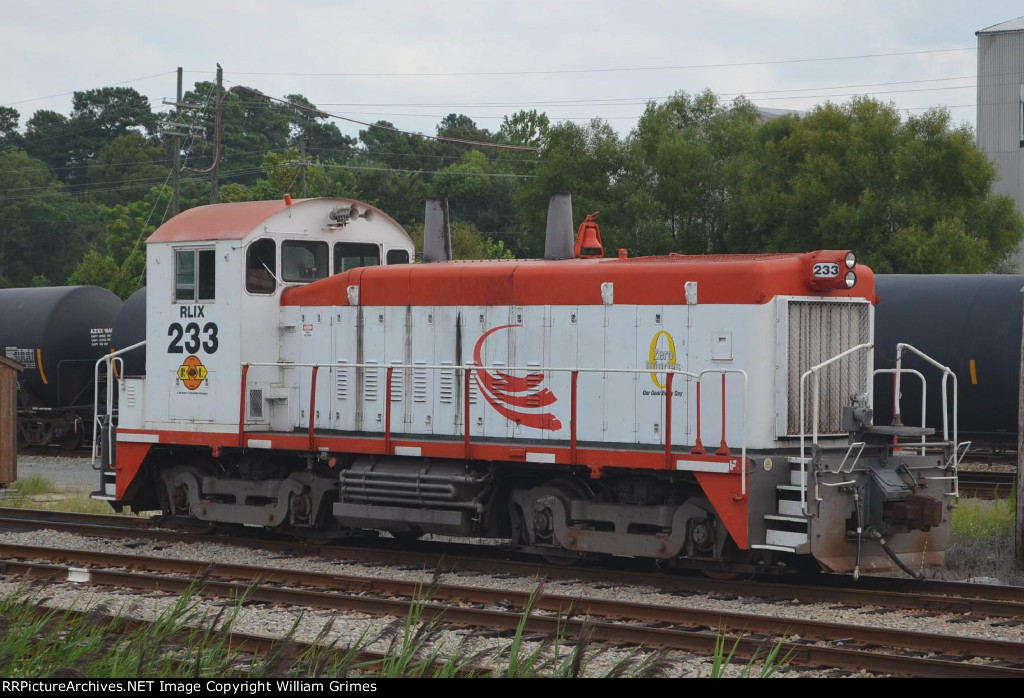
851 278
851 260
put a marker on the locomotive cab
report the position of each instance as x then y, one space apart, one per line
215 275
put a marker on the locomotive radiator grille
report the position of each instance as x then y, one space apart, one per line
817 332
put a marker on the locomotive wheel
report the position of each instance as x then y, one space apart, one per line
734 555
406 536
69 432
703 537
70 440
566 489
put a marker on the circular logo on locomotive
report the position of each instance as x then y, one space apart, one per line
192 372
662 356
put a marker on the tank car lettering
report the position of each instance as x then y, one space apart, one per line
100 336
25 357
191 338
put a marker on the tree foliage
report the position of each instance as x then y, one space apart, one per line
696 175
909 196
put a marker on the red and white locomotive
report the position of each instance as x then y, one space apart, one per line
303 375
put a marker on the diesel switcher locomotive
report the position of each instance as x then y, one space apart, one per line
304 374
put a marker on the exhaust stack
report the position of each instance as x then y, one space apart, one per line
437 232
558 240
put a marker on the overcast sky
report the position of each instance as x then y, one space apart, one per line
413 62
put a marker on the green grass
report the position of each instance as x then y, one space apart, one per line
37 492
186 641
755 667
31 486
977 519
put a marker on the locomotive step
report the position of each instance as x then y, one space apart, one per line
792 540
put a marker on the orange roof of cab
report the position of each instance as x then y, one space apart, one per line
217 221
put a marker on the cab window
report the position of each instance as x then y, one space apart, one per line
303 260
260 266
349 255
398 256
194 275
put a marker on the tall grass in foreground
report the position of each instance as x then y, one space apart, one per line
188 641
40 642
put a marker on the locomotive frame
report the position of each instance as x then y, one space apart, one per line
468 399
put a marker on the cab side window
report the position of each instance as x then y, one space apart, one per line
195 275
349 255
260 266
397 256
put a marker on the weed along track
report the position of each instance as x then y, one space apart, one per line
481 616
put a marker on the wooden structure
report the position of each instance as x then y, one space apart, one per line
9 371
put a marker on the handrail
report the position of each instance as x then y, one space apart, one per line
898 371
817 389
107 359
896 399
946 373
803 413
467 370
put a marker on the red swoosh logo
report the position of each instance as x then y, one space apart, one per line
509 394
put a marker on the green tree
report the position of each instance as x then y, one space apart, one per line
911 196
686 159
9 135
467 242
587 162
46 136
309 126
527 128
43 231
126 166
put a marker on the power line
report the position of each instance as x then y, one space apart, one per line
575 71
65 94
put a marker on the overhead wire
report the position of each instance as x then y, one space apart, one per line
574 71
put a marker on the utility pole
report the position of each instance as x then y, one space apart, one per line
214 187
180 131
302 160
176 198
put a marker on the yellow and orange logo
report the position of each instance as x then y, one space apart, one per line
662 356
192 372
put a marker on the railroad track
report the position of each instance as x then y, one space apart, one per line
987 484
868 590
877 648
807 644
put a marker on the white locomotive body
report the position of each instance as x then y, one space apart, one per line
302 375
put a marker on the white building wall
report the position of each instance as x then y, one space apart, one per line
1000 111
